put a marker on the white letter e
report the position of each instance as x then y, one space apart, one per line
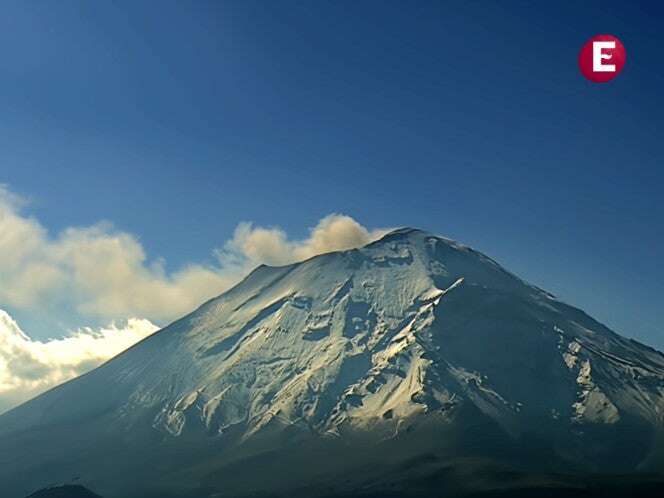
598 56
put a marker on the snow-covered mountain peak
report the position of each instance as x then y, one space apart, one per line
411 329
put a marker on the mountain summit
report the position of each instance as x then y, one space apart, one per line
409 349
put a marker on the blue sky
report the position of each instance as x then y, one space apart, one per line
177 120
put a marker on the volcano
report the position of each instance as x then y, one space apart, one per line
413 363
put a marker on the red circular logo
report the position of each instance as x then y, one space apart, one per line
602 58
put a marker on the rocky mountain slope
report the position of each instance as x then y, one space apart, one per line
355 364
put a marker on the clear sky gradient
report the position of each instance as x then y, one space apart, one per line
177 120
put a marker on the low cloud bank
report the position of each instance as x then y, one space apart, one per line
29 367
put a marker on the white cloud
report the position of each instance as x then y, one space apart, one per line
104 273
29 367
97 271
